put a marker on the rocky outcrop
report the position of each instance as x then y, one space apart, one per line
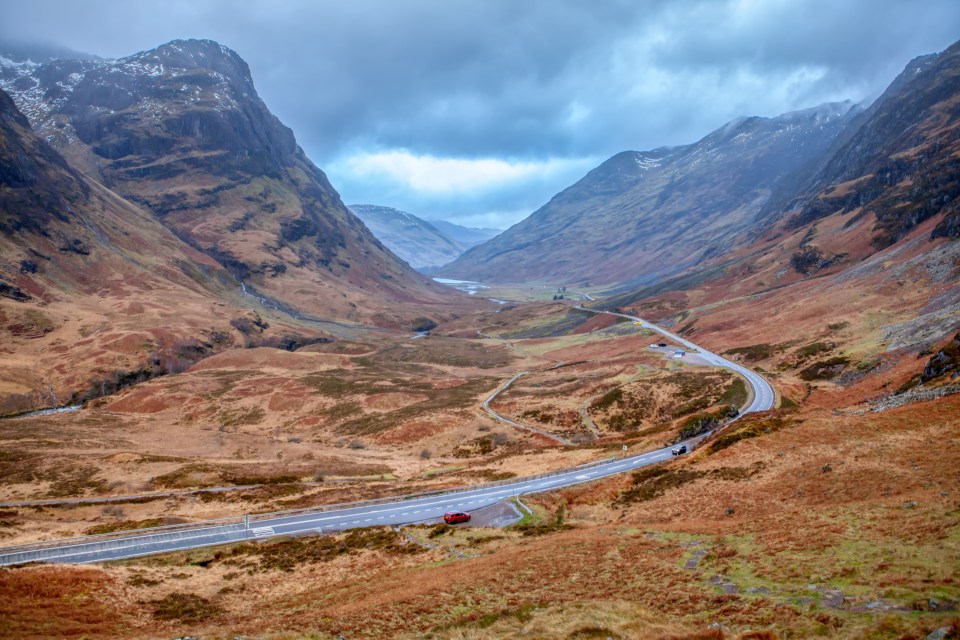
899 163
944 362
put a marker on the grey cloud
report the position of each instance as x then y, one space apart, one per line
534 79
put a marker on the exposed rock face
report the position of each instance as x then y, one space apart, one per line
945 361
416 241
61 232
899 162
181 131
78 258
37 185
641 216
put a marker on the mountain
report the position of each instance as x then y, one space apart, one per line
899 165
88 281
467 236
181 132
646 215
416 241
870 232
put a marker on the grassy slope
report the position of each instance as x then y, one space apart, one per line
843 525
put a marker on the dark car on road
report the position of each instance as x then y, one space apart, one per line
454 517
679 450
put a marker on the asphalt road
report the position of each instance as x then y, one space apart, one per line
409 510
401 511
763 394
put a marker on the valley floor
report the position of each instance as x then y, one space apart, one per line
820 518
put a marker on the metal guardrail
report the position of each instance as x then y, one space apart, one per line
249 519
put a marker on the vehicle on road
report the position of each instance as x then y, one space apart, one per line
455 517
679 354
679 450
661 344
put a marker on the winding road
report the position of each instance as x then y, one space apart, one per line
390 511
496 416
764 396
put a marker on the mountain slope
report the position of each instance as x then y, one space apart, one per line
901 165
88 281
646 215
467 236
870 239
181 131
416 241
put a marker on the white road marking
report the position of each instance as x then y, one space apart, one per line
764 398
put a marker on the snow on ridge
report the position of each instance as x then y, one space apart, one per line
28 63
645 162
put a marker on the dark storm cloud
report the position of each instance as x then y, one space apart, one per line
547 88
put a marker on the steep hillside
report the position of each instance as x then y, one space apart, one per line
88 281
181 131
642 216
900 166
416 241
875 227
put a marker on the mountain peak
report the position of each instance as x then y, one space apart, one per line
193 54
824 112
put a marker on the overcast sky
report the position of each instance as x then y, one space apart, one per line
479 111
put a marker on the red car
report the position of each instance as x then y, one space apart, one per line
453 517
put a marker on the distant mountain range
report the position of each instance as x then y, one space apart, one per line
416 241
467 236
650 214
642 217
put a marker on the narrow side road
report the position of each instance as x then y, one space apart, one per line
499 418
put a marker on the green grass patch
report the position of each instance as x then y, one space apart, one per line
653 482
813 349
753 352
439 471
735 394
